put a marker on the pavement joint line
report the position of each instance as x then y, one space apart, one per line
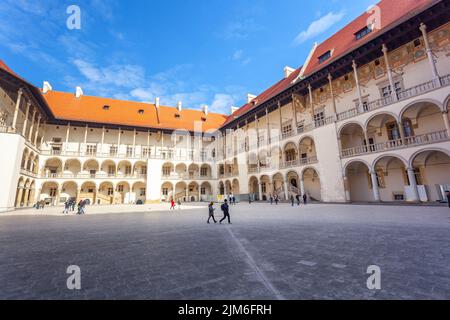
267 283
339 266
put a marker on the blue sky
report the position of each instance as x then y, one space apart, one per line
209 52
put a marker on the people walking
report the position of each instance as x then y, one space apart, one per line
179 204
292 200
211 212
226 211
72 205
271 199
305 198
66 207
81 205
172 204
447 193
234 200
276 199
297 197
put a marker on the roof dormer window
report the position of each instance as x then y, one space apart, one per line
105 107
363 32
325 56
141 111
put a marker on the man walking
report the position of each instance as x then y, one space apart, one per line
297 197
226 213
447 193
271 200
211 212
276 199
292 200
305 198
66 207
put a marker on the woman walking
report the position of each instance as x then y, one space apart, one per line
211 212
172 204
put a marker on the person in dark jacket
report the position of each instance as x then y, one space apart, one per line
447 193
297 197
211 212
305 198
226 211
292 200
271 199
276 199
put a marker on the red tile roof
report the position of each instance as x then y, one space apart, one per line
66 106
344 40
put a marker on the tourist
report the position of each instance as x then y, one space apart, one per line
72 205
271 199
276 199
234 200
305 198
66 207
211 212
297 197
42 204
226 213
179 204
447 193
172 204
292 200
80 207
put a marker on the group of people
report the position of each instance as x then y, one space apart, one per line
225 209
69 206
172 204
299 198
39 205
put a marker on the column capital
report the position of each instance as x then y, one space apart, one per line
384 48
423 27
20 92
330 77
354 65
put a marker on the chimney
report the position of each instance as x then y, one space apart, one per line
78 92
157 102
288 71
205 109
46 87
234 109
250 97
179 105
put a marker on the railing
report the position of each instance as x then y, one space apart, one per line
412 141
28 173
298 162
185 176
400 96
60 175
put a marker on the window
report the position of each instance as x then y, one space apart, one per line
52 192
325 56
141 111
287 129
204 172
166 171
386 90
91 149
105 107
165 191
56 150
113 150
127 170
363 32
145 152
392 130
120 188
129 151
290 155
301 126
111 170
142 192
56 140
144 170
319 118
263 187
399 197
110 191
407 128
202 190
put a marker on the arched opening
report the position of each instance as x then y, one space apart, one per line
105 193
29 162
392 178
311 182
19 192
264 159
194 192
123 193
108 168
72 167
383 133
221 170
206 193
293 181
69 191
228 187
124 169
359 182
36 165
290 153
181 170
50 193
205 171
221 188
352 140
181 193
166 191
266 187
253 189
139 191
422 123
167 169
24 158
278 186
91 167
31 195
307 151
52 168
140 170
252 162
88 192
432 173
194 171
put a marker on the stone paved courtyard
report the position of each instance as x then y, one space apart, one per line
269 252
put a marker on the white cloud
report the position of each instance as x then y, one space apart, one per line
240 29
222 103
318 26
240 56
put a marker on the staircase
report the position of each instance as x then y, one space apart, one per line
104 199
179 196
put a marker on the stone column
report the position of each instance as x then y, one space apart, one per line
347 189
25 123
134 142
67 137
436 78
311 102
103 139
389 72
366 137
30 134
37 130
16 110
286 191
257 142
358 87
294 114
401 131
302 186
413 184
280 134
330 82
375 189
260 191
19 196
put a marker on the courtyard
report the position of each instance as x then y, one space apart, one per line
318 251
